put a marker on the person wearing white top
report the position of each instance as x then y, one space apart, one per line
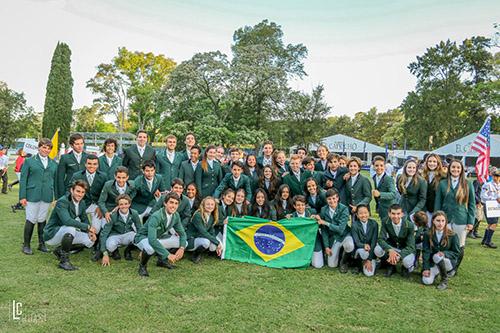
490 192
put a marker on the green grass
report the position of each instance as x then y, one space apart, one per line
229 296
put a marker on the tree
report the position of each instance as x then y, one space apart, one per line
16 118
89 119
59 95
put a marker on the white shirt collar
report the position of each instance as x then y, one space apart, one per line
124 216
353 178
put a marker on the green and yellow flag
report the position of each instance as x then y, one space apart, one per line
55 145
288 243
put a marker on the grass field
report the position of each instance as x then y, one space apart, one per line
229 296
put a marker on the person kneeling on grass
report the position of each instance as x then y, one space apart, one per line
69 225
441 251
365 234
397 242
201 232
120 230
162 231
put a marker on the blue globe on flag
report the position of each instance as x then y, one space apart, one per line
269 239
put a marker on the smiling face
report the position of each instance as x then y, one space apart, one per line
171 206
333 201
300 207
171 144
379 167
312 188
251 161
209 205
121 178
432 163
396 215
110 149
295 165
322 152
191 191
411 169
123 206
177 188
211 153
195 155
240 197
267 150
91 165
333 164
228 198
353 168
77 193
309 166
190 140
260 199
44 150
455 169
285 193
281 158
219 153
78 146
142 138
268 173
363 214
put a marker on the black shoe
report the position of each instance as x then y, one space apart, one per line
27 249
116 255
405 273
390 271
355 270
476 234
471 235
196 258
13 207
491 245
143 271
444 276
164 263
66 264
128 252
97 256
28 232
57 253
42 248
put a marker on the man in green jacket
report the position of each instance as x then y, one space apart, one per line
36 192
136 155
148 189
385 190
296 179
168 161
109 161
396 242
162 231
235 180
70 163
190 170
112 189
69 225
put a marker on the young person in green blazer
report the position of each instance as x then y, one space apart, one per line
109 161
261 207
269 182
308 165
70 163
163 231
282 202
385 190
302 152
224 209
396 242
211 172
432 174
135 155
241 206
266 159
168 161
358 188
252 171
441 251
190 142
184 208
148 189
364 233
300 208
322 163
69 225
296 178
95 182
36 193
455 197
201 231
335 232
234 156
412 188
120 231
315 196
280 164
335 177
190 169
235 180
112 189
193 196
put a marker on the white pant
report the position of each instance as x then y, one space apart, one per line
361 253
347 244
113 242
317 259
36 212
96 222
205 243
172 242
79 237
461 232
407 261
435 269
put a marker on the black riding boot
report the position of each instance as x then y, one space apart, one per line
66 243
128 252
41 243
344 260
143 271
460 257
28 232
444 275
196 258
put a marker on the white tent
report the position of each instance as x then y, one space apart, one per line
342 143
461 147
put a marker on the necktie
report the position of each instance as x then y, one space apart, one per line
91 179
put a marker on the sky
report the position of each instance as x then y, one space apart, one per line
359 50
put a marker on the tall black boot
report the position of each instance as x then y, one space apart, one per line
344 260
460 257
486 235
66 243
143 271
41 243
417 257
444 275
475 228
28 232
196 258
128 252
488 242
97 255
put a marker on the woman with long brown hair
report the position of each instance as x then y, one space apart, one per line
412 188
433 173
211 172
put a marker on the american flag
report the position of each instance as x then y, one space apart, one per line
482 145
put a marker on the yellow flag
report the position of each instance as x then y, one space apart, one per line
55 145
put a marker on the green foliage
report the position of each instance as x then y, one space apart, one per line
89 119
59 95
16 118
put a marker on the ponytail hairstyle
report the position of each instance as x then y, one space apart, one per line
462 195
438 172
215 213
447 233
204 163
404 177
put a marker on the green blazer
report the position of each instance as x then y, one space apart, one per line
296 186
143 197
183 154
271 215
460 214
188 175
107 199
168 170
451 250
64 214
318 166
320 201
210 179
254 179
414 199
360 238
184 209
133 161
337 228
94 192
387 190
66 168
228 181
117 226
308 212
199 228
109 170
260 161
359 192
404 241
281 213
37 183
338 182
157 227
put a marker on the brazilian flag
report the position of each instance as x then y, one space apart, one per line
287 243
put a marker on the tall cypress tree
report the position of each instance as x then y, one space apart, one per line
59 95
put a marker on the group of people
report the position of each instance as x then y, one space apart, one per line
165 202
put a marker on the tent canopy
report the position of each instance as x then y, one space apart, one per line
335 143
461 147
